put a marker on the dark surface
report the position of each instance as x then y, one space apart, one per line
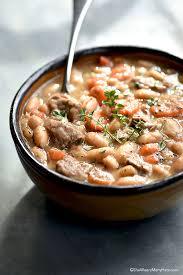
40 238
36 237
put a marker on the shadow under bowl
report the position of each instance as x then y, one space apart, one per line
93 201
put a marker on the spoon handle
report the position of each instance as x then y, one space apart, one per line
80 8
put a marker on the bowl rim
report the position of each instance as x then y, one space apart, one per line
76 185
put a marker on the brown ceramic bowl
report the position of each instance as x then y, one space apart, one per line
98 202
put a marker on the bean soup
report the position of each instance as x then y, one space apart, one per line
121 124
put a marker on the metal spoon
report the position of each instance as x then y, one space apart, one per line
80 8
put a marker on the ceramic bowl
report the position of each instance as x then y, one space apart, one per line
93 201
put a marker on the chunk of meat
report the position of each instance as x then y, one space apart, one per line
138 162
67 103
73 168
65 133
128 154
101 177
172 128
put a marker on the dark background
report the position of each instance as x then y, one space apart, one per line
35 236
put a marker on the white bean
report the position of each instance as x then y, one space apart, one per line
110 162
39 154
177 166
96 140
34 121
145 94
76 77
135 180
176 147
157 75
99 154
27 132
32 104
40 136
127 170
160 171
151 137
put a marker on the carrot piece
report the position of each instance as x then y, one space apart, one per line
104 61
92 124
90 104
149 149
120 68
152 159
130 108
56 154
93 81
98 92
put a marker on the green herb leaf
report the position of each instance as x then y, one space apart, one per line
122 118
82 114
162 145
112 95
152 101
136 85
60 114
136 130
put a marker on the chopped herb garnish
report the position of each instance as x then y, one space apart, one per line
60 114
162 145
84 115
136 130
137 85
111 96
122 118
152 101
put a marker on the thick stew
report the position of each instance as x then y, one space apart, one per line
122 123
